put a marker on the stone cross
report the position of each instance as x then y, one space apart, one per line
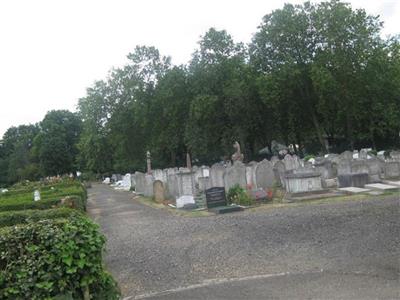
237 156
148 155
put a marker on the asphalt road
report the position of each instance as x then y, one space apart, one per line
341 250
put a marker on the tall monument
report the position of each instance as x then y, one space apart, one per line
237 156
148 155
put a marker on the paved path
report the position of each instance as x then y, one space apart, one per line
342 250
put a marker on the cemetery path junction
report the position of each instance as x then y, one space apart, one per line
340 250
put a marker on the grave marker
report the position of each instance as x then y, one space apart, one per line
215 197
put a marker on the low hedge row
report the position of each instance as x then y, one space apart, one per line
47 192
16 205
10 218
28 189
54 259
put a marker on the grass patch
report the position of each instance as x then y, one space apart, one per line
278 203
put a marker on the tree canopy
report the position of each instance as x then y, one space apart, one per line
316 75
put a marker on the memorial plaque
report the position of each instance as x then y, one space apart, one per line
215 197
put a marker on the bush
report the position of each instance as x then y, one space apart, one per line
10 218
308 157
17 204
238 195
50 196
54 258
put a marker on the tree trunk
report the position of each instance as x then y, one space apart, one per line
173 158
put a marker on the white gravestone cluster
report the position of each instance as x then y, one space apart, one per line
349 169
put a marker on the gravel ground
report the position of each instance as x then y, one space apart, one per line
151 250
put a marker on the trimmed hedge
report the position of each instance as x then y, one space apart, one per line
46 192
10 218
16 204
43 187
50 196
54 258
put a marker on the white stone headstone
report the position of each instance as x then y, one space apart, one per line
126 182
186 199
265 177
140 182
217 175
279 171
173 186
186 183
158 174
36 195
235 174
251 174
291 162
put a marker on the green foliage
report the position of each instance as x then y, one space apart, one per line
307 77
53 258
18 163
308 157
18 204
20 196
10 218
55 145
239 196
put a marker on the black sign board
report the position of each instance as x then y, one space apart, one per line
215 197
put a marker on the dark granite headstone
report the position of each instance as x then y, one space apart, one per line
215 197
355 180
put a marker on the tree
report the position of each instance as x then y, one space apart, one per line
17 163
169 111
314 58
56 143
224 107
94 148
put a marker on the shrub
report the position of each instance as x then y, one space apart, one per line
54 258
17 204
308 157
238 195
10 218
50 196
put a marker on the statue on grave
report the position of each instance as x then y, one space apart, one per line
237 156
148 155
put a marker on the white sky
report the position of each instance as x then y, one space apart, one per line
51 51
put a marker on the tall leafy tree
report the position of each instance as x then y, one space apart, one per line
95 152
222 100
16 150
56 143
314 58
169 113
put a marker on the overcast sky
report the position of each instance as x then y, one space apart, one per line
51 51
